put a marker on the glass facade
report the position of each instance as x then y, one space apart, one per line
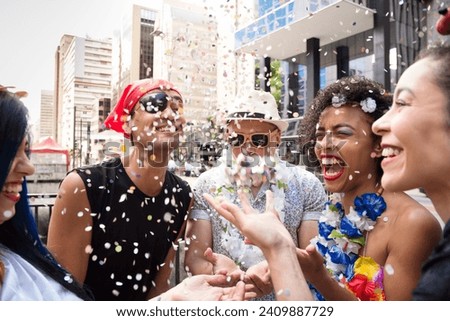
407 30
147 43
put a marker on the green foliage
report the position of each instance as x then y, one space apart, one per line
276 80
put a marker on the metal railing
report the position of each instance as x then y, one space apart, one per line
41 205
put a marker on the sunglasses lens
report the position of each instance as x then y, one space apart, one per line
154 102
237 140
260 140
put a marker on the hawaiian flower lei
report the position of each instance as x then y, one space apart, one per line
342 236
242 176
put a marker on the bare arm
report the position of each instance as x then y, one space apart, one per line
198 239
69 234
307 231
162 278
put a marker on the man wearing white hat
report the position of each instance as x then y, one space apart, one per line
251 165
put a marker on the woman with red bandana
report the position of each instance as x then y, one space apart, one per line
115 225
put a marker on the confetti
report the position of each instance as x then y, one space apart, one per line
389 269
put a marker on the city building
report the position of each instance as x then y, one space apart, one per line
83 78
133 48
47 124
173 40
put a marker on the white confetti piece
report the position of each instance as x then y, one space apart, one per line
389 269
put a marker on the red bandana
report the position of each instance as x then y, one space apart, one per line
130 96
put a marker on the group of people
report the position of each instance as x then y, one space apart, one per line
382 236
255 227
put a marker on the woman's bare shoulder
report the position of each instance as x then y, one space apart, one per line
407 212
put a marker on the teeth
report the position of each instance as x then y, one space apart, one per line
329 161
389 152
12 188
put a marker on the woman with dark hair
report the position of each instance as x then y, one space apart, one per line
372 241
27 270
415 136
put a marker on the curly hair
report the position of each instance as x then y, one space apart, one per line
347 90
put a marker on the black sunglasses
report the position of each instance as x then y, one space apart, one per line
158 102
257 140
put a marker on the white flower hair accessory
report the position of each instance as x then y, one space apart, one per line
338 100
368 105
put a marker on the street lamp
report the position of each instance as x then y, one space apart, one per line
74 147
78 146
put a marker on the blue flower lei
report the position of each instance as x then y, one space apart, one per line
341 236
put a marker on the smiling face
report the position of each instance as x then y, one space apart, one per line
156 129
10 194
416 133
345 147
248 128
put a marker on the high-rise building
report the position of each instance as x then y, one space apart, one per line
83 78
47 123
133 48
174 40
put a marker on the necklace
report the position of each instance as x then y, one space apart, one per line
244 173
341 236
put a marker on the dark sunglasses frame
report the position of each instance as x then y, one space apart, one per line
256 139
155 102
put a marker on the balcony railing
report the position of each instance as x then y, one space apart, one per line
281 16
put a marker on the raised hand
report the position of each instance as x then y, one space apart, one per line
263 230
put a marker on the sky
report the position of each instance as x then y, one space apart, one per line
30 32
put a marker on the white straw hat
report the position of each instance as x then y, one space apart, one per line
257 105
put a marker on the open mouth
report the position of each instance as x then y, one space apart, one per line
332 167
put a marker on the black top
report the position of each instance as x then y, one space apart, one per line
434 284
132 233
